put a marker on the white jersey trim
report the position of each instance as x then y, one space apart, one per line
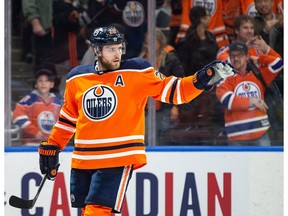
109 140
107 156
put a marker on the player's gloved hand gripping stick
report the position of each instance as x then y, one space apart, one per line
212 73
49 164
49 159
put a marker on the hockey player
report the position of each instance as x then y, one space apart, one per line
104 106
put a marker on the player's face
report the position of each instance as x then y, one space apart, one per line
245 31
239 60
43 84
110 57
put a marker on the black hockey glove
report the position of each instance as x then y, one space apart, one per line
211 74
49 159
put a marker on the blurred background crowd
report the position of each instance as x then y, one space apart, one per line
49 37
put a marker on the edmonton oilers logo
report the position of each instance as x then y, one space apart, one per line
210 5
45 121
133 14
99 102
247 89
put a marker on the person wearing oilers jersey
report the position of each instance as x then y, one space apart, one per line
242 95
37 112
104 106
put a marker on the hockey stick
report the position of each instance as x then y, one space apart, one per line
26 204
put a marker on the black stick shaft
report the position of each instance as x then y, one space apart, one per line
18 202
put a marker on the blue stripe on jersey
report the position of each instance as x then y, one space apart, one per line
32 99
173 91
81 69
134 63
226 100
278 65
128 145
21 122
247 126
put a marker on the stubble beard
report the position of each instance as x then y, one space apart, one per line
109 65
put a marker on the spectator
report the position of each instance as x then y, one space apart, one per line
272 28
248 7
231 10
69 19
37 112
199 47
175 21
168 64
163 15
216 26
242 95
38 13
130 15
244 32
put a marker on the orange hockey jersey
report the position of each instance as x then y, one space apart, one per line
33 115
106 112
216 26
243 122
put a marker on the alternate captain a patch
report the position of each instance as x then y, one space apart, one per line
99 102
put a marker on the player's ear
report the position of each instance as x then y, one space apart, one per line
96 51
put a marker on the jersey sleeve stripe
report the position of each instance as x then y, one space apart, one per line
67 116
230 101
20 118
276 65
73 130
173 90
67 122
25 124
166 89
179 100
226 98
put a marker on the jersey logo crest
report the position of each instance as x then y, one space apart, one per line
46 121
210 5
99 102
133 14
248 89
